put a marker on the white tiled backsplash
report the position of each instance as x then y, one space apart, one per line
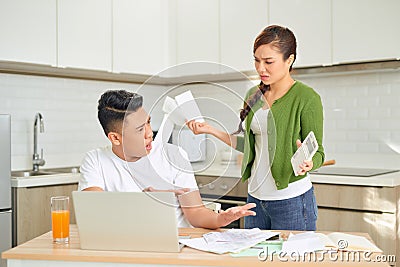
362 115
69 109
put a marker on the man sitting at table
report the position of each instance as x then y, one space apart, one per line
135 163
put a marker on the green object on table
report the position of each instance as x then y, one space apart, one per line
254 251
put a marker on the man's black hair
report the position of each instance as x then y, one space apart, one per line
114 105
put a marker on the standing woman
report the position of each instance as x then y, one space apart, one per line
277 115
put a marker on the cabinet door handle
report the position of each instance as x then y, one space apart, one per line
223 186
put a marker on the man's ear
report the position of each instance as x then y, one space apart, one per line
115 138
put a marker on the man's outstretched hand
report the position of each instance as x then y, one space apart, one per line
234 213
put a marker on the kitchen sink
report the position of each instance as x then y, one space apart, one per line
63 170
43 172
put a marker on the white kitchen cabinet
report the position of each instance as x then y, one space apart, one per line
240 23
84 34
140 36
28 31
310 21
197 34
365 30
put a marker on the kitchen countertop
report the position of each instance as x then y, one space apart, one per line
386 180
217 169
43 180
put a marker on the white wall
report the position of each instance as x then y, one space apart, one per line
69 108
362 115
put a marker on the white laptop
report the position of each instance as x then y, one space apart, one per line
132 221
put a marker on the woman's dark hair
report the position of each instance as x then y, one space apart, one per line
114 105
282 39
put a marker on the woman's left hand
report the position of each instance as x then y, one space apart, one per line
307 164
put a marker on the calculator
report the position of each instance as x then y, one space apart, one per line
305 152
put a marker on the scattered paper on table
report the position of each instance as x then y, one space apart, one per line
302 243
337 240
233 240
270 247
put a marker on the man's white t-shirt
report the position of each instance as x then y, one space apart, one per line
165 167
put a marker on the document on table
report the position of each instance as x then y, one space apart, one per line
303 242
233 240
346 241
311 241
269 247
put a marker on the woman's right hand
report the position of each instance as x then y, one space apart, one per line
205 128
199 127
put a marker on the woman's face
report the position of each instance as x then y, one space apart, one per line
270 65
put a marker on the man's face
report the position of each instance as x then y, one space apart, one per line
136 135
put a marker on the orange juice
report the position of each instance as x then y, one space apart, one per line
60 223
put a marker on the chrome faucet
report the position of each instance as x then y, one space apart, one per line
36 160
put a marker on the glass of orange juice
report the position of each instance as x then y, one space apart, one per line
60 219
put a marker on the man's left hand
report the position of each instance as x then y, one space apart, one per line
234 213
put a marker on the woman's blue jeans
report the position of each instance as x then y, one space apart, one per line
297 213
